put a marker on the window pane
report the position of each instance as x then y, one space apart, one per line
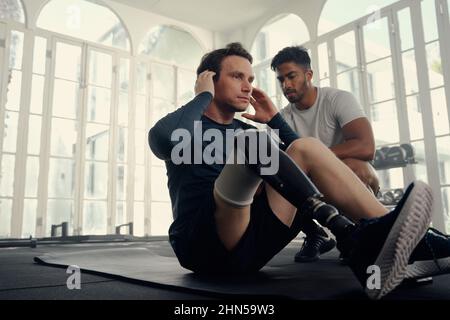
123 110
124 74
14 90
10 134
160 109
160 192
96 180
349 81
68 61
5 218
122 174
140 112
173 45
40 56
410 72
163 82
429 20
61 178
94 218
16 50
380 80
345 51
59 211
99 105
65 99
34 134
323 61
444 159
138 219
186 83
12 10
37 94
324 83
266 81
123 145
420 168
64 137
376 40
139 175
97 142
29 218
282 31
434 61
31 179
161 218
385 123
440 113
406 35
414 118
140 142
141 78
121 213
390 179
336 13
71 17
100 69
7 175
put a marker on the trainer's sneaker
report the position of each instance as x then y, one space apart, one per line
313 246
387 242
431 257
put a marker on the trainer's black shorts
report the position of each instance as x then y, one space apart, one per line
199 248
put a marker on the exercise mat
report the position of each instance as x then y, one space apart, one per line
154 264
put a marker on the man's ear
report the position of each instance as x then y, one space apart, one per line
309 74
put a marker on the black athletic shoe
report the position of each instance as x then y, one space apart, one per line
431 257
388 242
313 246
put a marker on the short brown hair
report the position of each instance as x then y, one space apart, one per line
212 61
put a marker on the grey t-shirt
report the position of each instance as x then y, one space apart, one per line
332 110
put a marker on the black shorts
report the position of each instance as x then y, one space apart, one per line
199 248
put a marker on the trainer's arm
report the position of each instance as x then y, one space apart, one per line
359 141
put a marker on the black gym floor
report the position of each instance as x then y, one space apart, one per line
22 278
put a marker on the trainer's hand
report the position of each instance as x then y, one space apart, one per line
265 110
205 82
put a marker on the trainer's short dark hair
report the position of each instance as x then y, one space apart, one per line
296 54
213 60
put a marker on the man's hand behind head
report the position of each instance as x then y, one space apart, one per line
205 82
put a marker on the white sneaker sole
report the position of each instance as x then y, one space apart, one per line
411 225
429 268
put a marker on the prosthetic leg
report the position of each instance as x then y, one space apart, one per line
238 181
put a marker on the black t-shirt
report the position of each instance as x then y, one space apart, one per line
191 185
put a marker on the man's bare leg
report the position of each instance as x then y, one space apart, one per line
333 178
231 221
365 172
340 186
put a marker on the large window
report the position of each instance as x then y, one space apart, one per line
379 59
12 10
172 45
75 18
172 84
282 31
336 13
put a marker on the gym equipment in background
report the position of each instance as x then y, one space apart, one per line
129 225
64 229
394 157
